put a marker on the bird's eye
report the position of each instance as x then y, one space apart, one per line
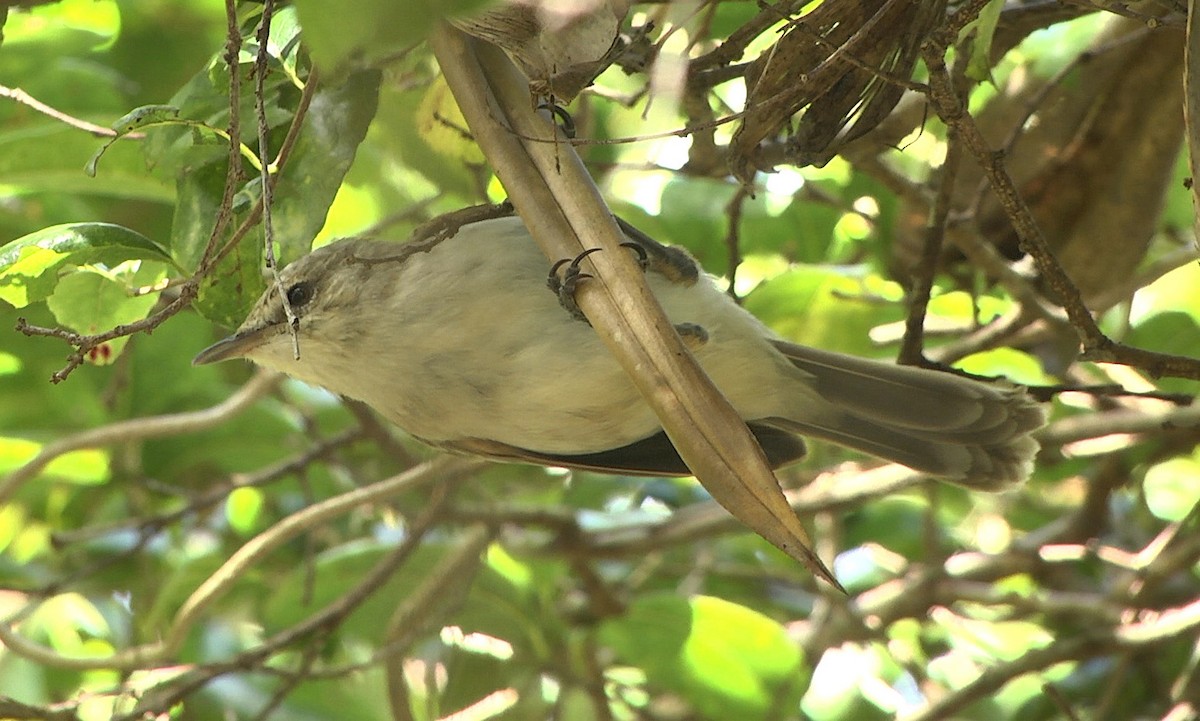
299 294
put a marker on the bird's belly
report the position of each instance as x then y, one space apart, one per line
563 394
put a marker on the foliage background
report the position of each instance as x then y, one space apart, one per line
520 592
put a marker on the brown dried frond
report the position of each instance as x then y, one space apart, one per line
846 62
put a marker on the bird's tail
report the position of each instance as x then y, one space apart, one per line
972 433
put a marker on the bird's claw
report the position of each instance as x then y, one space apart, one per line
561 117
563 284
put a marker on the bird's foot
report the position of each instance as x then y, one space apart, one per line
693 335
563 284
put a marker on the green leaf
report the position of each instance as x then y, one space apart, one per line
979 66
1015 365
425 171
1172 332
89 301
283 43
815 306
894 522
84 467
226 294
358 33
243 509
336 124
145 115
137 118
728 660
29 265
49 157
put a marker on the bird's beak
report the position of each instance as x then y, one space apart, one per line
235 346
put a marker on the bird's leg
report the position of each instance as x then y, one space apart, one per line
693 335
671 262
563 285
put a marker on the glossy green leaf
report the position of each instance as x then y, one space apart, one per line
29 265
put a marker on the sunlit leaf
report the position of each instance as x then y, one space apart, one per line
816 306
852 683
29 265
243 509
89 301
1014 365
728 660
441 125
1173 488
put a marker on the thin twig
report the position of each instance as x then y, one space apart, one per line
912 349
25 98
733 246
266 175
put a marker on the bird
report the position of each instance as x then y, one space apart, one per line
456 340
